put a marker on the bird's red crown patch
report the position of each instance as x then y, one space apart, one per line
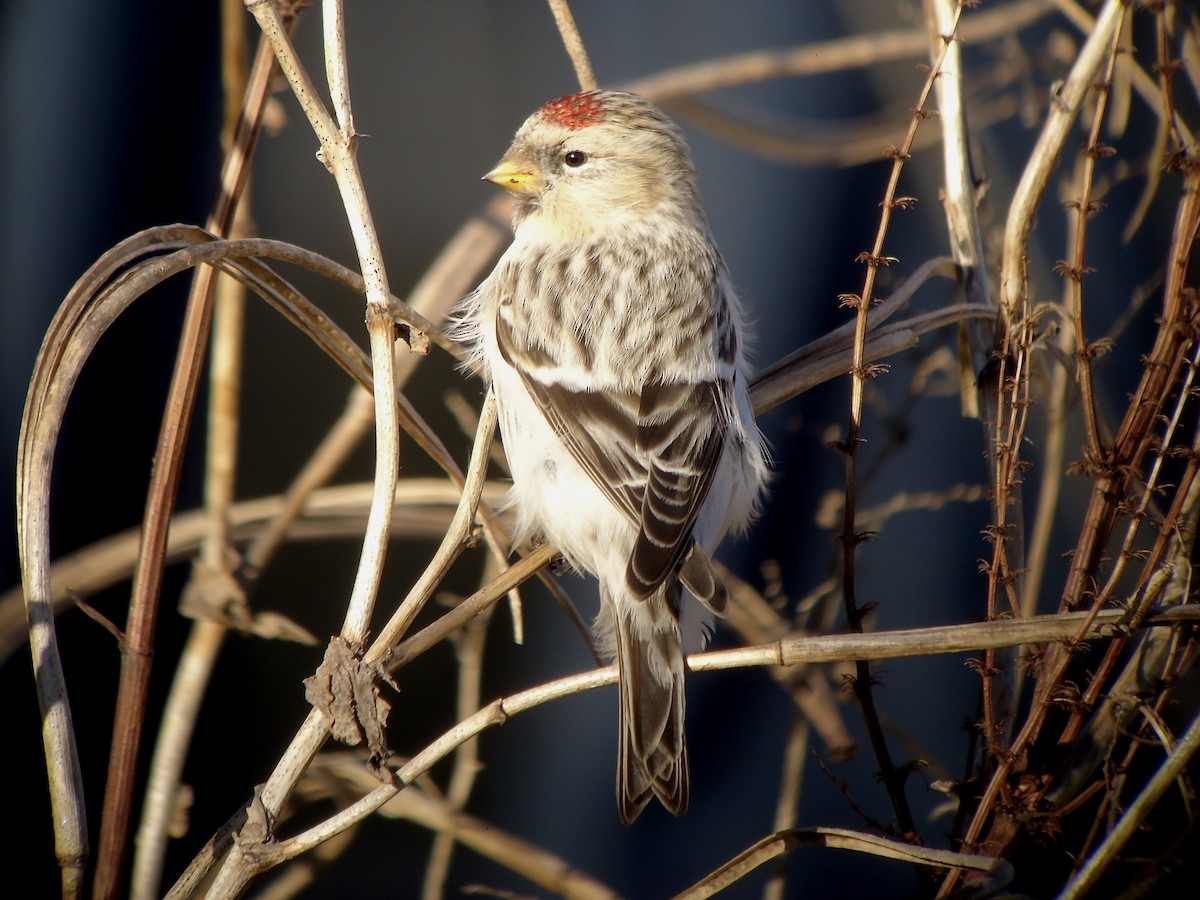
574 111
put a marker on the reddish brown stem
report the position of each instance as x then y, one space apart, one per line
892 777
138 647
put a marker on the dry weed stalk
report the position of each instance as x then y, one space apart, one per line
1070 749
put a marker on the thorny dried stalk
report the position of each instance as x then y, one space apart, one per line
1073 752
892 777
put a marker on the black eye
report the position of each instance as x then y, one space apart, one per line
575 158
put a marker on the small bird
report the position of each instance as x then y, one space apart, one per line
613 342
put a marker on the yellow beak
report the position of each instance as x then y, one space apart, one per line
520 179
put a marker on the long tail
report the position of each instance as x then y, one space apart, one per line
652 753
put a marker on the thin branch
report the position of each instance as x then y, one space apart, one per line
541 867
875 646
855 52
1075 272
892 777
1064 107
952 639
573 42
245 100
995 873
1135 815
456 540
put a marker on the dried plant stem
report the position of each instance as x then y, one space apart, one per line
1153 662
795 754
1154 574
1006 445
1135 435
468 650
136 649
937 640
1009 412
1143 83
245 102
573 41
338 143
192 676
330 513
338 149
966 237
244 861
448 278
246 97
1053 447
917 642
1028 194
1001 674
892 777
1175 765
1084 206
456 539
224 385
258 858
335 447
1132 438
794 373
995 872
477 603
856 52
544 869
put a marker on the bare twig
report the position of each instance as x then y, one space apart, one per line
261 857
855 52
1106 854
541 867
996 872
574 44
1068 99
244 120
893 778
468 650
338 146
456 540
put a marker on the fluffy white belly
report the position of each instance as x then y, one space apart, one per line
552 495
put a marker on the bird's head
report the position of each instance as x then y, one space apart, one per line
597 160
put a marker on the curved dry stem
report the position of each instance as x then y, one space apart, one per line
830 355
1140 80
995 872
447 279
335 512
84 317
1027 197
76 328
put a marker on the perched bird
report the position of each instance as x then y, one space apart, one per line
612 338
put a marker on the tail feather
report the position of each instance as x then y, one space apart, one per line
652 751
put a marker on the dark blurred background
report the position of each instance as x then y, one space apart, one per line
111 119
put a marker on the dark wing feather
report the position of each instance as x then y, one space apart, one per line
679 427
